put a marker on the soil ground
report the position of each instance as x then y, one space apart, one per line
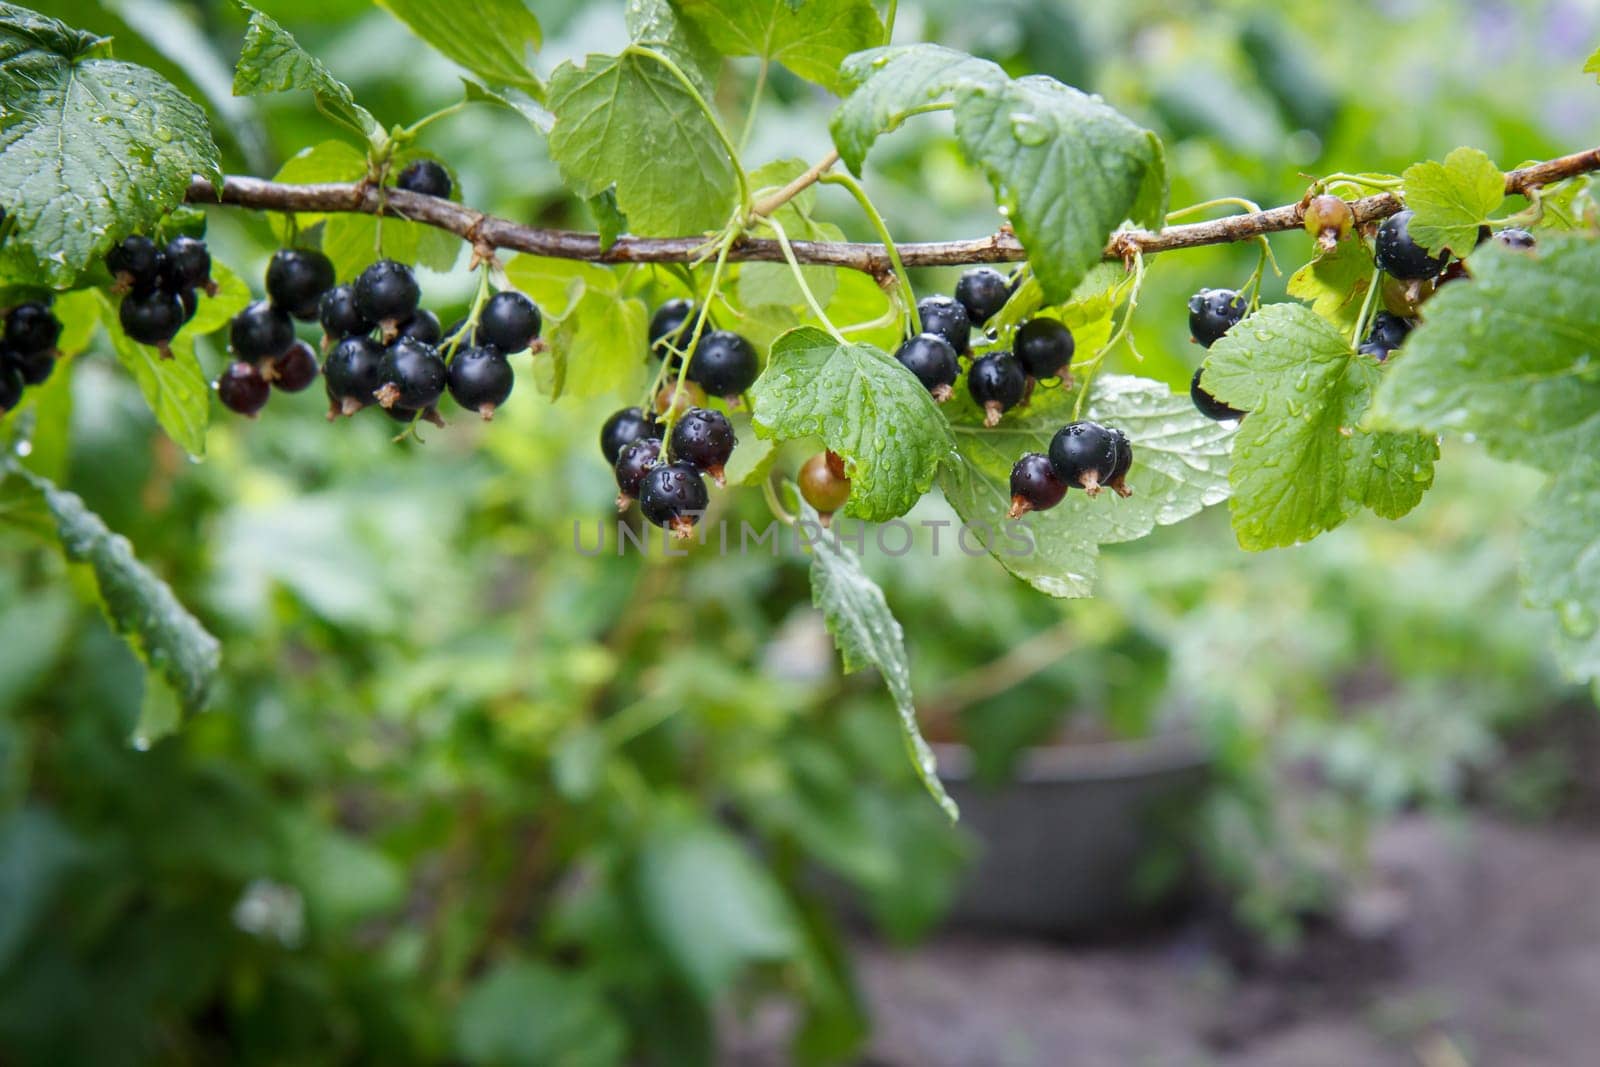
1490 956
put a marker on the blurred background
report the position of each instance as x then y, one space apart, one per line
467 796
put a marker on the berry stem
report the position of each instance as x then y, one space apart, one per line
1250 206
1366 307
1089 366
775 505
805 287
907 296
812 174
755 105
706 109
730 237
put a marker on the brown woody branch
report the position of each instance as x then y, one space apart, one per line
490 231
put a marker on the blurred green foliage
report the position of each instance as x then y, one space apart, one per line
470 795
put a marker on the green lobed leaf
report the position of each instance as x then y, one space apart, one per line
1067 169
865 406
810 37
615 112
490 38
512 100
215 312
868 635
598 329
709 905
1592 64
1452 199
272 61
1336 282
175 389
91 149
1180 465
655 24
1512 356
1302 464
888 85
139 605
525 1014
1560 564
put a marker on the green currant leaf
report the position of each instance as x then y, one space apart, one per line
1510 356
512 100
1336 282
1180 465
886 86
1067 168
597 329
615 112
272 61
1302 464
810 37
774 283
868 635
175 389
864 406
353 242
609 220
574 1025
1452 199
181 655
490 38
91 149
1592 64
215 312
1560 567
655 24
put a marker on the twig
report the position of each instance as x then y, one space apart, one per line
1002 247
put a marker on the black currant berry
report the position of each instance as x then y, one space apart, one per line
136 264
674 497
703 438
823 483
296 280
622 429
1375 349
1328 218
1208 405
1043 347
509 321
188 265
997 383
1389 330
636 459
413 375
673 397
425 176
932 359
10 388
242 389
480 379
1212 313
945 317
387 294
1399 255
151 318
983 291
1034 485
1515 237
667 326
261 331
423 325
353 372
1084 454
31 329
190 302
34 369
1117 482
724 364
294 370
339 315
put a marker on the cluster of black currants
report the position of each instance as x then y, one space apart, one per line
159 286
266 352
27 350
998 381
670 489
389 351
723 363
1083 455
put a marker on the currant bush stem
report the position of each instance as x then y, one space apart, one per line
800 280
907 296
1003 247
711 115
